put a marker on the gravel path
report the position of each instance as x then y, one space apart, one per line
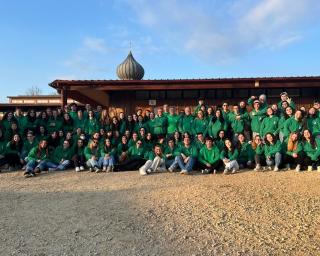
70 213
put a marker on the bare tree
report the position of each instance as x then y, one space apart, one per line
34 90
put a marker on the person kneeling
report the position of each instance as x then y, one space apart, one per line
155 162
209 157
229 157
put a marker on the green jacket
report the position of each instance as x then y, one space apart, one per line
54 124
91 126
200 126
189 151
236 125
135 152
314 125
229 155
34 156
312 152
198 144
3 144
246 152
215 127
259 149
173 123
110 150
292 125
186 124
271 150
269 125
140 125
88 153
62 153
173 152
220 144
256 119
160 125
285 148
27 146
209 156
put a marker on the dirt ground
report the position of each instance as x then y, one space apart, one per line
68 213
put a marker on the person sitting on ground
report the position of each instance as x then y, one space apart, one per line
79 159
209 157
293 152
107 159
272 151
246 153
171 150
92 154
155 161
311 147
229 157
62 157
13 151
259 157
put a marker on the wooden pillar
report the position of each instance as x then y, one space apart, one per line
64 97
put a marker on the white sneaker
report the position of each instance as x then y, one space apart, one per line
318 168
226 171
81 168
310 168
234 170
184 172
142 172
90 169
170 169
205 171
108 169
298 168
77 169
269 168
214 171
258 168
104 169
97 170
149 171
275 169
288 167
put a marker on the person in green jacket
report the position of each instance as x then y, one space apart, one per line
187 157
160 124
259 157
171 150
79 121
155 161
272 152
219 142
294 124
199 141
186 121
135 158
285 97
269 124
217 124
62 156
313 122
237 122
140 124
38 159
67 123
256 116
246 153
79 159
54 122
311 148
173 122
288 114
13 153
107 159
200 124
293 152
92 154
229 156
28 144
2 148
209 157
42 120
91 124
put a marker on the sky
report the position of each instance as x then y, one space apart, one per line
44 40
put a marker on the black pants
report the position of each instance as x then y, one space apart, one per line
130 164
214 166
79 160
287 159
244 164
308 162
12 159
260 159
3 161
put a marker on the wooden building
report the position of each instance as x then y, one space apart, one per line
131 92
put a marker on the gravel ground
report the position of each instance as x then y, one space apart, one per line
68 213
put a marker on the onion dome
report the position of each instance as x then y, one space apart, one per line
130 69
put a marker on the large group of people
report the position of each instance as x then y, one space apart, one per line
249 135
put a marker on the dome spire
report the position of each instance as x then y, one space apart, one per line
130 69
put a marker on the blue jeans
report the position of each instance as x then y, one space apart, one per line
106 162
42 165
169 162
276 160
188 166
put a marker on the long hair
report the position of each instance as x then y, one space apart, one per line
214 118
292 145
226 149
312 139
104 117
253 143
273 139
39 149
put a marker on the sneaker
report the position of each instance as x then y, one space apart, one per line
258 168
318 168
276 169
32 174
214 171
234 170
77 169
142 172
26 173
205 171
149 171
104 169
298 168
226 171
288 167
161 169
269 168
184 172
96 169
108 169
90 169
310 168
170 169
81 168
111 168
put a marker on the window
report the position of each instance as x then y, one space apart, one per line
142 95
174 95
224 94
191 94
157 95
